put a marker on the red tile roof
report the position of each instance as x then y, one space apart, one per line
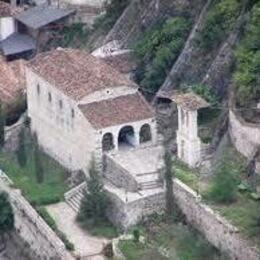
12 81
7 10
77 73
125 63
117 111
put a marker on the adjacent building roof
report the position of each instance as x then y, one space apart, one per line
17 43
7 10
77 73
40 16
189 101
117 111
12 81
125 62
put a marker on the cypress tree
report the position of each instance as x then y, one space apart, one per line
39 171
95 201
168 175
6 216
2 125
21 151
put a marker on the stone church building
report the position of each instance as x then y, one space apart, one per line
80 106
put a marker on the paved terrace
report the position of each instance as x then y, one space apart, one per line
139 161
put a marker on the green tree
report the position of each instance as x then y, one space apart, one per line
2 125
39 170
168 175
95 201
6 215
21 151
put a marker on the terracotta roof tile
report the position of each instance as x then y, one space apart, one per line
77 73
189 101
7 10
117 111
12 81
125 63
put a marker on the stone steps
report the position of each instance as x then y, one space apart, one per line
73 197
150 185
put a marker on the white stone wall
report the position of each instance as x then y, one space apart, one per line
215 228
7 27
189 144
41 242
94 3
69 139
245 136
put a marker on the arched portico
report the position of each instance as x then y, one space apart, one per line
126 137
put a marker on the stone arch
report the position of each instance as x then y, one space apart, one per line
145 133
108 142
126 137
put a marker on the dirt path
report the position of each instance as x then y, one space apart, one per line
85 244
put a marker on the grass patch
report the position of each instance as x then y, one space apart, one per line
187 175
104 229
51 190
170 241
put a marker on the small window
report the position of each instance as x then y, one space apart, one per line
60 104
72 113
38 89
49 97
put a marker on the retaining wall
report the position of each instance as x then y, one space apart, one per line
39 239
245 136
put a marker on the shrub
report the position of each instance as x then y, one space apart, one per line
6 214
247 74
158 50
95 201
136 234
224 188
220 20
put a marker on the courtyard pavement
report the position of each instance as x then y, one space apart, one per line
85 244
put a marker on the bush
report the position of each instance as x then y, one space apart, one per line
114 9
158 50
52 224
247 73
220 20
224 188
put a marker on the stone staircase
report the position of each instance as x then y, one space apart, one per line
147 181
74 196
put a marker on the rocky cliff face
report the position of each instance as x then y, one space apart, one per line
141 15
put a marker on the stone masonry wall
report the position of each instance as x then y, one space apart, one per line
215 228
245 136
39 239
118 176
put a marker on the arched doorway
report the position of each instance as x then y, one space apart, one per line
108 142
126 137
145 133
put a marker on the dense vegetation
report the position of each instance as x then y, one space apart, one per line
220 20
247 74
113 9
158 50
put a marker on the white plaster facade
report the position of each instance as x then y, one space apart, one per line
62 129
189 144
7 27
94 3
